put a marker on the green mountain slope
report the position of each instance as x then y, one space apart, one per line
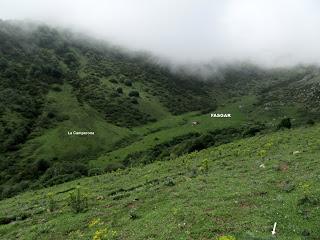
53 82
237 189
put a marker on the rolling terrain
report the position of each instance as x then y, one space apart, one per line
55 81
233 191
158 165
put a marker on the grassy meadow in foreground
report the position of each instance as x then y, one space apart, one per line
233 191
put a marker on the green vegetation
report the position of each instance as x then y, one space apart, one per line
158 166
53 82
77 201
285 123
232 191
189 143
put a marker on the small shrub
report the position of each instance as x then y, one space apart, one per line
94 222
119 90
133 214
305 233
304 200
51 115
51 202
128 82
169 182
134 94
262 153
252 131
134 101
113 80
285 123
56 89
204 168
100 234
78 201
42 165
105 233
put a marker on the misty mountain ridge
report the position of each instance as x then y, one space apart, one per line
212 70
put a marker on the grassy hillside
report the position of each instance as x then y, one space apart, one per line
165 130
237 190
53 81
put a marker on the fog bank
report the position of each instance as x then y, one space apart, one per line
268 32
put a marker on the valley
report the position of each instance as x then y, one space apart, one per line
98 142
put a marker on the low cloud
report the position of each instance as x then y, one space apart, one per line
268 32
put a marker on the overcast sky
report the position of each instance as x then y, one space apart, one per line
264 31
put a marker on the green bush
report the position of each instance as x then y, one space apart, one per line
51 115
52 204
78 201
285 123
204 168
113 80
134 101
56 89
134 93
42 165
169 182
119 90
133 214
128 82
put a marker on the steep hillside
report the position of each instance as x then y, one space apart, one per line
233 191
53 82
